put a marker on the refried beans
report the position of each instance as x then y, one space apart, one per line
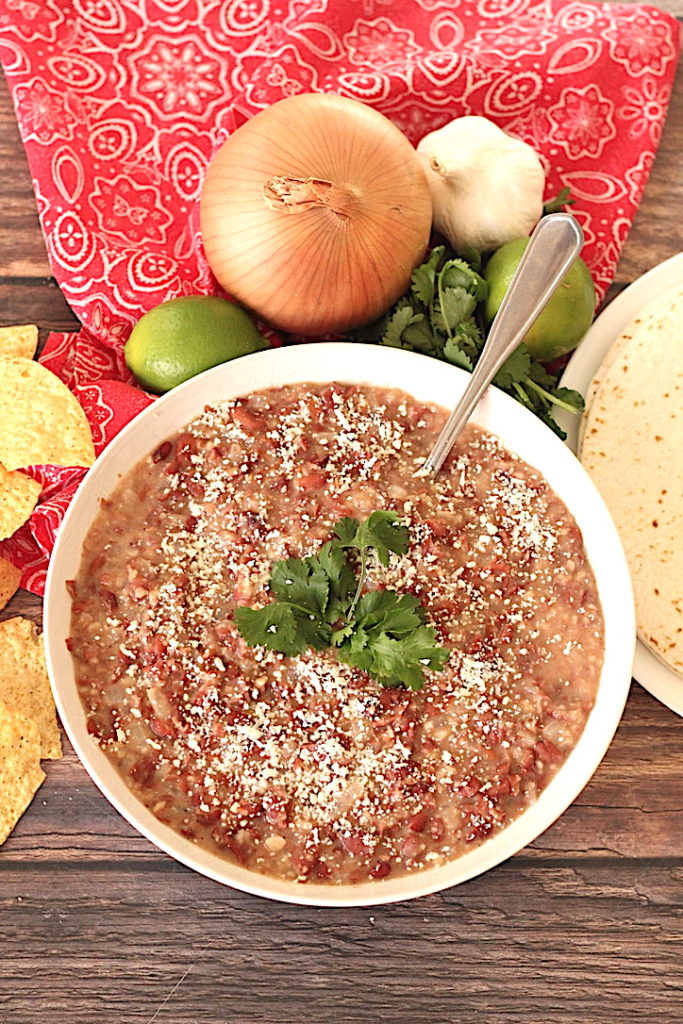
302 767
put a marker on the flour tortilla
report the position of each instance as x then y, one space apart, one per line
646 320
632 446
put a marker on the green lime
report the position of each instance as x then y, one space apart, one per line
178 339
565 319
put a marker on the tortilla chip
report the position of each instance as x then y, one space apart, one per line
18 497
20 771
19 341
24 684
10 578
40 420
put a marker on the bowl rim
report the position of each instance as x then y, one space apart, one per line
320 362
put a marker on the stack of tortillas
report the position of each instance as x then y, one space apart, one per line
632 446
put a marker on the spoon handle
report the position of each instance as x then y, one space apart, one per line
554 245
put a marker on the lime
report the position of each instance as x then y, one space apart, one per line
565 319
178 339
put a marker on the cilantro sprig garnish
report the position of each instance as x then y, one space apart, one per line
441 315
319 603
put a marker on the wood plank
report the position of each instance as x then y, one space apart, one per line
35 301
22 247
535 945
26 604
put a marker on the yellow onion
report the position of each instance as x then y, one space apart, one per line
314 214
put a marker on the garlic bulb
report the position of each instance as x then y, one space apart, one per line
486 186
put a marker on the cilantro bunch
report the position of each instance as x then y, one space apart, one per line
441 315
320 604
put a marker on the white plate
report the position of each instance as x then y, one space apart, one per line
427 380
656 677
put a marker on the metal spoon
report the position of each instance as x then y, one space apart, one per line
554 245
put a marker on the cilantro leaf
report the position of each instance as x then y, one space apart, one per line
403 317
405 659
354 650
345 530
457 273
314 633
472 257
342 582
543 412
383 532
281 627
515 368
390 640
397 613
371 332
275 626
569 397
343 633
454 353
320 604
301 581
419 337
452 307
539 374
391 655
423 280
469 338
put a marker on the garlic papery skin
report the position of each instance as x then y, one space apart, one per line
486 186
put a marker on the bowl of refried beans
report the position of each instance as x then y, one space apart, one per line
300 776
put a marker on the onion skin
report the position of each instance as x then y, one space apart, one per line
314 214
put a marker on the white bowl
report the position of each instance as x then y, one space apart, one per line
427 380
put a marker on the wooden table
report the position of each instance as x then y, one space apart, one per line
584 926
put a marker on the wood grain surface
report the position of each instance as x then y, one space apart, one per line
585 926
